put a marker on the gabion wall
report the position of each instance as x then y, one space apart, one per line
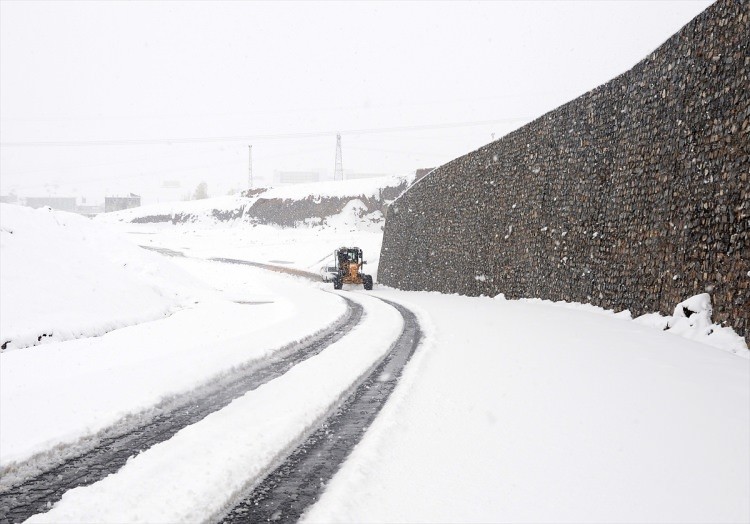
632 196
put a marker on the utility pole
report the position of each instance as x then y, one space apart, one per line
250 168
338 170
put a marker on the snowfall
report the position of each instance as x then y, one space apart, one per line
510 410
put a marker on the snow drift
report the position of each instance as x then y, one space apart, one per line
64 277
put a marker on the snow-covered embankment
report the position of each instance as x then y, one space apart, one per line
65 277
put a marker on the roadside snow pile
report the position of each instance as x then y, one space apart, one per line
691 319
64 277
354 217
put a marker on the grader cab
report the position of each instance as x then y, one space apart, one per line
349 262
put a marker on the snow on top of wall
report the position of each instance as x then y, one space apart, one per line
65 276
366 187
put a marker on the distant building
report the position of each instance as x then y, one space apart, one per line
295 177
116 203
58 203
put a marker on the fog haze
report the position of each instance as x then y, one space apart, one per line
109 97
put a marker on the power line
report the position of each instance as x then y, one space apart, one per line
293 110
286 154
279 136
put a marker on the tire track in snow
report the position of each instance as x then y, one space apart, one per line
270 267
298 482
39 491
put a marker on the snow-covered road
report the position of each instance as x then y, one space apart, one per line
300 479
91 459
313 383
213 462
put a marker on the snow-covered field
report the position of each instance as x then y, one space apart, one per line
509 411
64 277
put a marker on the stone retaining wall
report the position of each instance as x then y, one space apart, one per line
635 195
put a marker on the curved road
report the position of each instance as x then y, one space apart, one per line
37 493
299 481
288 490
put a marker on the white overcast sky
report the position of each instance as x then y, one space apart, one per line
77 73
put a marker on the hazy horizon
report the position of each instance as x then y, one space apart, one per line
117 97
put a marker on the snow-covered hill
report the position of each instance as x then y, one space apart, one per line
64 277
286 206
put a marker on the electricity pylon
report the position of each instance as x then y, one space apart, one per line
338 170
250 168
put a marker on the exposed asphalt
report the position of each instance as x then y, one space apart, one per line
270 267
165 251
299 481
36 493
287 491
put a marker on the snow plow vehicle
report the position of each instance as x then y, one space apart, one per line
349 262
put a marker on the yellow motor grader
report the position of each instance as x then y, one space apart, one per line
349 264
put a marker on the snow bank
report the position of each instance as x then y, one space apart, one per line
64 277
355 217
692 320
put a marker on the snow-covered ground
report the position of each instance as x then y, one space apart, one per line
509 410
65 277
530 412
60 392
